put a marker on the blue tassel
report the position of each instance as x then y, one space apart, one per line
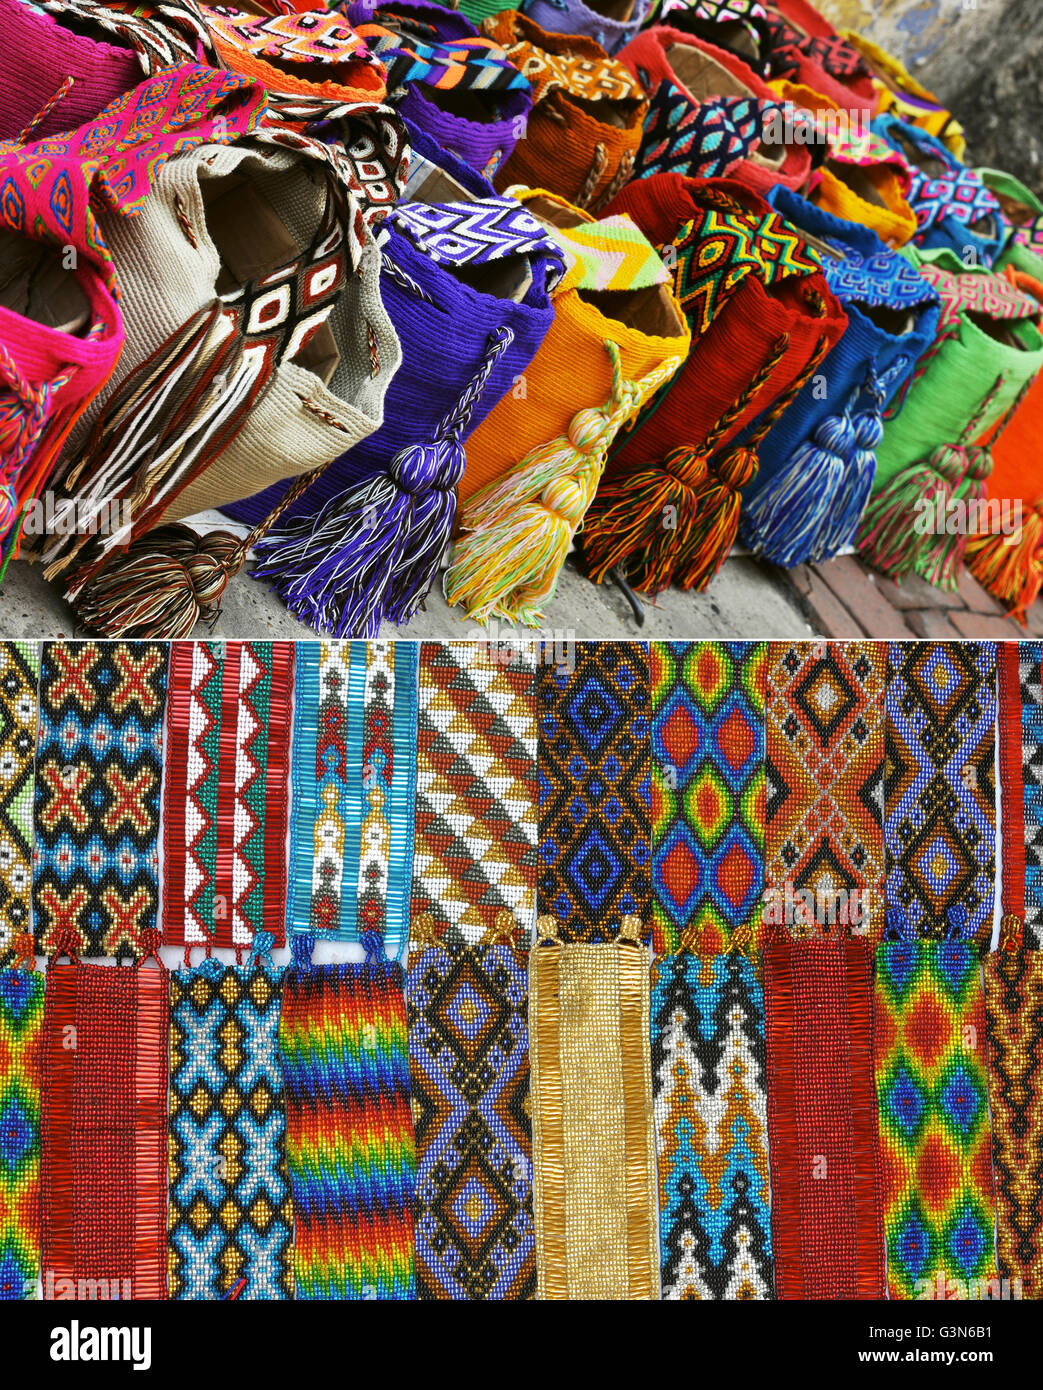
371 554
785 518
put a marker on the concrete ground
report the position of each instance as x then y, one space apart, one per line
745 600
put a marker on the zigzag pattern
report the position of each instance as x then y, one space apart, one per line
225 799
474 233
378 772
204 731
230 1215
350 1149
98 772
19 674
253 718
938 1209
707 790
717 250
710 1088
469 1069
1014 1028
21 1026
476 849
939 787
338 787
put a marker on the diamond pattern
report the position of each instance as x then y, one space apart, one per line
825 752
469 1067
594 797
707 789
934 1120
940 816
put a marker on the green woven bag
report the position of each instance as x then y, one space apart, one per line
988 352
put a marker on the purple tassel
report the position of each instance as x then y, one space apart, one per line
371 553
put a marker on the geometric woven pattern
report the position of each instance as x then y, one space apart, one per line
1014 1027
935 1138
827 1236
19 676
707 791
231 1218
1021 743
103 1176
224 831
99 763
939 787
476 851
351 1156
21 1025
595 790
353 777
710 1086
469 1071
825 773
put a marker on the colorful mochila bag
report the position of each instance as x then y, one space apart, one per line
61 334
451 82
803 47
762 319
64 75
1023 223
611 23
954 209
311 53
864 180
1006 553
266 354
467 283
818 462
899 94
584 129
930 463
710 115
535 463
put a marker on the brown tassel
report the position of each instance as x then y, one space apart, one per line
168 580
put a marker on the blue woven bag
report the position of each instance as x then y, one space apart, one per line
818 463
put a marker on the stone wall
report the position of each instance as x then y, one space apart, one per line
981 57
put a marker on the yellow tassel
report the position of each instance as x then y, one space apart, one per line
516 532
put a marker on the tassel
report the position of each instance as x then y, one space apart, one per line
700 501
888 537
372 552
856 487
517 531
943 568
166 581
643 521
787 519
1013 573
162 585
